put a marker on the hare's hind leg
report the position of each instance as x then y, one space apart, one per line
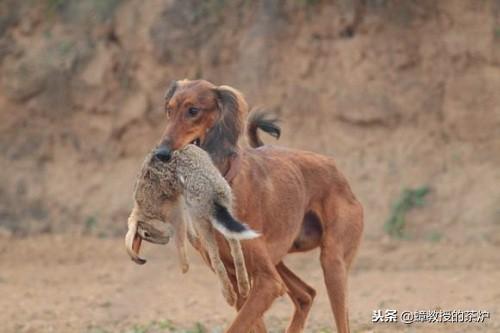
207 233
239 266
193 238
180 222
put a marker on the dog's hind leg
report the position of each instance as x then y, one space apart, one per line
302 296
335 275
207 233
342 235
239 266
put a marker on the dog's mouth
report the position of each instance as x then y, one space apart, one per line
196 142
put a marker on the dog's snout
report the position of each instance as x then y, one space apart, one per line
163 153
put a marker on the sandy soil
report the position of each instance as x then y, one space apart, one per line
83 284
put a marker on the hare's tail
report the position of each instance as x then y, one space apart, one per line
229 226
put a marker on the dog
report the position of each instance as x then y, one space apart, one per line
297 201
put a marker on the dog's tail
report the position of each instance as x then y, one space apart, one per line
264 120
229 226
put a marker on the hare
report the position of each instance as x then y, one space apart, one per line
188 195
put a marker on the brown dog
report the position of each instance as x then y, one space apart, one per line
297 200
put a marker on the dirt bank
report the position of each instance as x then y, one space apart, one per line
410 100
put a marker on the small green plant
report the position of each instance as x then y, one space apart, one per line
97 330
308 2
198 328
104 9
324 330
434 237
409 199
140 329
90 224
55 4
497 33
166 325
210 8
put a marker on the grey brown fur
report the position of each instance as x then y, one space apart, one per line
181 197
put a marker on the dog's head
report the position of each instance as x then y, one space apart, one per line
201 113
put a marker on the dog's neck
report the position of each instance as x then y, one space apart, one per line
222 157
220 154
222 146
232 167
221 141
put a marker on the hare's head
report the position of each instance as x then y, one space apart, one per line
157 229
157 207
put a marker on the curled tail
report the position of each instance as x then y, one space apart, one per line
229 226
266 121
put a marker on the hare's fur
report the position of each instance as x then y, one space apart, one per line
184 195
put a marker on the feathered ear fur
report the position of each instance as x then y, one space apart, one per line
233 108
170 91
222 138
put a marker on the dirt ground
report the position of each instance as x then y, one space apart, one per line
86 284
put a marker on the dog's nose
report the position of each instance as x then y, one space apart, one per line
163 153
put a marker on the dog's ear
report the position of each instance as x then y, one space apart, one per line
170 91
233 109
231 100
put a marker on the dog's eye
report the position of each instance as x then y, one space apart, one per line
193 112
